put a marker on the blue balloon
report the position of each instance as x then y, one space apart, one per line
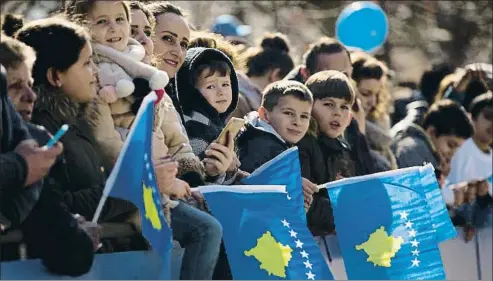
363 25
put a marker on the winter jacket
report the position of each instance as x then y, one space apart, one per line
50 231
250 97
13 167
80 173
202 122
258 144
322 160
115 119
413 147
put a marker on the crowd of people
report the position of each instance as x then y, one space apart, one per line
91 65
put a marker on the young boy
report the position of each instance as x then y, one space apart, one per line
473 160
445 127
281 121
208 92
472 164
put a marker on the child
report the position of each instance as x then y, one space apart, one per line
473 160
324 155
110 29
472 163
281 121
444 129
208 92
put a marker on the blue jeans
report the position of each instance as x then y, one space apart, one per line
200 234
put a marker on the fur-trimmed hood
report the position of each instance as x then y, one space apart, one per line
63 107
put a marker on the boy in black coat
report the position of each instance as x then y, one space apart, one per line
281 121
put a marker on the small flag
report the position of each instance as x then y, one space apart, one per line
387 227
282 170
265 239
133 179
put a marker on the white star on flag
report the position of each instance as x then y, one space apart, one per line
307 264
289 197
285 223
409 224
292 233
415 262
304 254
299 244
412 233
310 275
415 243
404 215
415 252
145 157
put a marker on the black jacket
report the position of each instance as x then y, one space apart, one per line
13 168
80 173
202 122
50 230
258 144
322 159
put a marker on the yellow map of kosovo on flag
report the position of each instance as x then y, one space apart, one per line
272 255
381 247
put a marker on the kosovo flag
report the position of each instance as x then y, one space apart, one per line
282 170
386 226
265 239
133 179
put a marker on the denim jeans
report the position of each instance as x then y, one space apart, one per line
200 234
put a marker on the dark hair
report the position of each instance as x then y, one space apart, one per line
480 103
57 43
430 80
11 23
325 45
211 66
284 88
136 5
211 40
272 53
367 68
159 8
13 52
78 10
448 118
331 84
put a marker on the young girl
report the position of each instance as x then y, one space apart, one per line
110 29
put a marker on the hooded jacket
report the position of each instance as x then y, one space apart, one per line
202 122
258 144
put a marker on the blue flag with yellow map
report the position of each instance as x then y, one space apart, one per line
133 179
387 227
285 170
265 238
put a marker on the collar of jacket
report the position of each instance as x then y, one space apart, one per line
253 120
336 144
62 107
